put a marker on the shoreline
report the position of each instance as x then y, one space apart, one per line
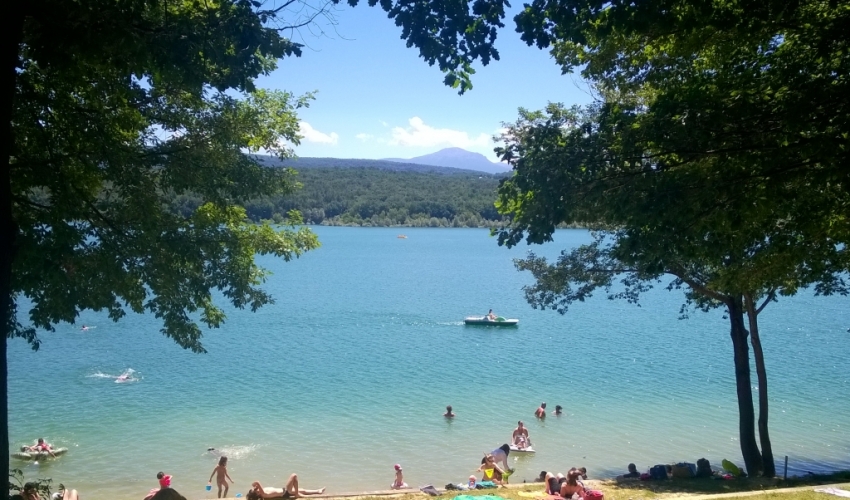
837 480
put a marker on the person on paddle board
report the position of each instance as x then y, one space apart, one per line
520 436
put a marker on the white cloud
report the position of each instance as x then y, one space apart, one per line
364 137
312 135
420 135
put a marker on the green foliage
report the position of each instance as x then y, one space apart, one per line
716 155
40 487
359 196
107 133
451 34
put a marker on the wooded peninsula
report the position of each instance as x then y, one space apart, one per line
370 193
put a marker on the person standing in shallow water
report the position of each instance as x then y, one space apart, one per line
541 411
449 413
558 410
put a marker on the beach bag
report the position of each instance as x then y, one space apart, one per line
731 468
593 495
429 489
658 472
704 468
683 471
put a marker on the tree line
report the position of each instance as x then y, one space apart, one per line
367 196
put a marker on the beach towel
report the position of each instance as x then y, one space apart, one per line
480 497
834 491
483 485
544 496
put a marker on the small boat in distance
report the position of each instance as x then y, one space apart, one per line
482 320
401 236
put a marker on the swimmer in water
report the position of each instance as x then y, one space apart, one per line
84 328
124 377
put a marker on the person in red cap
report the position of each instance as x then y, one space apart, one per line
399 483
164 480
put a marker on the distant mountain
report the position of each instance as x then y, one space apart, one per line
457 158
301 163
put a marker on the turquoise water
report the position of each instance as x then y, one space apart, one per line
350 371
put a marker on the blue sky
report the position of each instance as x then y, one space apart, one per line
377 99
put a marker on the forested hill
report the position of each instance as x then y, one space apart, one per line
381 194
399 166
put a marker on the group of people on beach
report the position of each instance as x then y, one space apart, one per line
291 490
565 486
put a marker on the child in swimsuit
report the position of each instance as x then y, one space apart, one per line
222 476
399 483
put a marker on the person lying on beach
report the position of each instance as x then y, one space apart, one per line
520 436
571 486
492 472
553 482
291 490
500 454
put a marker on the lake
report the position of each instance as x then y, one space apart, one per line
349 372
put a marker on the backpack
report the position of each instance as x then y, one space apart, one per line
704 468
593 495
658 472
683 470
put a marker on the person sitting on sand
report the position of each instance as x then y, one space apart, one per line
290 491
582 474
520 436
571 486
399 483
491 316
448 413
492 472
633 472
500 454
541 411
41 446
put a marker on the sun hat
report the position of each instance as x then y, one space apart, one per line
397 467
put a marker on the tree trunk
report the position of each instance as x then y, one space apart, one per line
13 26
746 416
769 467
